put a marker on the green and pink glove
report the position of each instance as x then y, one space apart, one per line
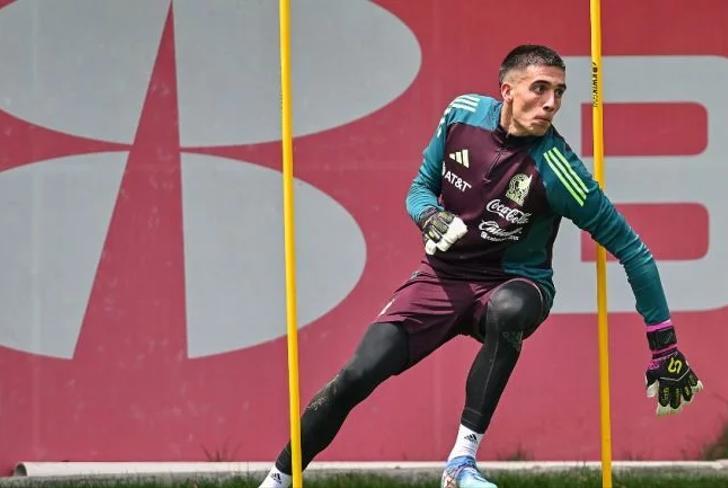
669 376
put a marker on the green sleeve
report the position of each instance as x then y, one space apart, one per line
573 193
425 188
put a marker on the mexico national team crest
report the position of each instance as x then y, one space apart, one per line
518 188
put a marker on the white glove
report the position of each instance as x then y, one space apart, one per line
441 230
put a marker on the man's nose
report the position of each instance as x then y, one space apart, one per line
550 103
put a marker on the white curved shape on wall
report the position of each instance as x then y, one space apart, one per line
348 60
79 66
83 66
55 217
234 266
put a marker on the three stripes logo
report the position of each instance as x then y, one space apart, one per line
471 438
566 174
461 157
465 102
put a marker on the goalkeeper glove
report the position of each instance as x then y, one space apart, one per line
440 230
668 376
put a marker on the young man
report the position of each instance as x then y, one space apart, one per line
495 181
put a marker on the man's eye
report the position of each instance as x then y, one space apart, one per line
559 92
538 88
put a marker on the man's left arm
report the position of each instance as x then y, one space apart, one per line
573 193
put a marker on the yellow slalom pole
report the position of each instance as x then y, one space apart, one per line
289 238
598 134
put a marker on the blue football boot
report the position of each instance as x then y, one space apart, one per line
461 472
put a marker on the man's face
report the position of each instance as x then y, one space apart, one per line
534 94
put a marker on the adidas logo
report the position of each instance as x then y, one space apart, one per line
461 157
471 438
276 477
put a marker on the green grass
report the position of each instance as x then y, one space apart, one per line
573 479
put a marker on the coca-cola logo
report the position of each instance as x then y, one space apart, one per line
510 215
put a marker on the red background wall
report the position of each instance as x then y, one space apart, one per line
118 400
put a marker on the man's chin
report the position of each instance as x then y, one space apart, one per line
539 130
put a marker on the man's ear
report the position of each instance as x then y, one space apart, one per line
506 90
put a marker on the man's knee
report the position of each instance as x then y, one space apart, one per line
343 390
351 378
381 354
514 310
357 379
353 384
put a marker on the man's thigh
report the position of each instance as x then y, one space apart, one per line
431 310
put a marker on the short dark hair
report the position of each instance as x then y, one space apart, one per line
527 55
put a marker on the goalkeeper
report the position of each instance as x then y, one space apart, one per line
495 181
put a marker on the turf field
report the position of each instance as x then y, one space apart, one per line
573 479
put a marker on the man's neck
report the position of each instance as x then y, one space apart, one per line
510 126
507 122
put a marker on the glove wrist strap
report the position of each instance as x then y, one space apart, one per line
661 338
426 215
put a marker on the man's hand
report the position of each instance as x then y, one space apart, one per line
440 230
669 376
673 382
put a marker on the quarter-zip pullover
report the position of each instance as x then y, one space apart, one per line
512 192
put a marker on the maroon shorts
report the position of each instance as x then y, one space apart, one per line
433 309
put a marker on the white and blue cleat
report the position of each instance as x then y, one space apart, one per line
461 472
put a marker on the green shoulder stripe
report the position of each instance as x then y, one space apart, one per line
568 177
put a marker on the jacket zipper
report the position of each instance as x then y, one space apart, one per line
486 178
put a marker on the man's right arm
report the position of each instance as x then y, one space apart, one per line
422 197
440 228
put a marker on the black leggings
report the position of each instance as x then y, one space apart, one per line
381 353
514 311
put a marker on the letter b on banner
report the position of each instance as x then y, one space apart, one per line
691 285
